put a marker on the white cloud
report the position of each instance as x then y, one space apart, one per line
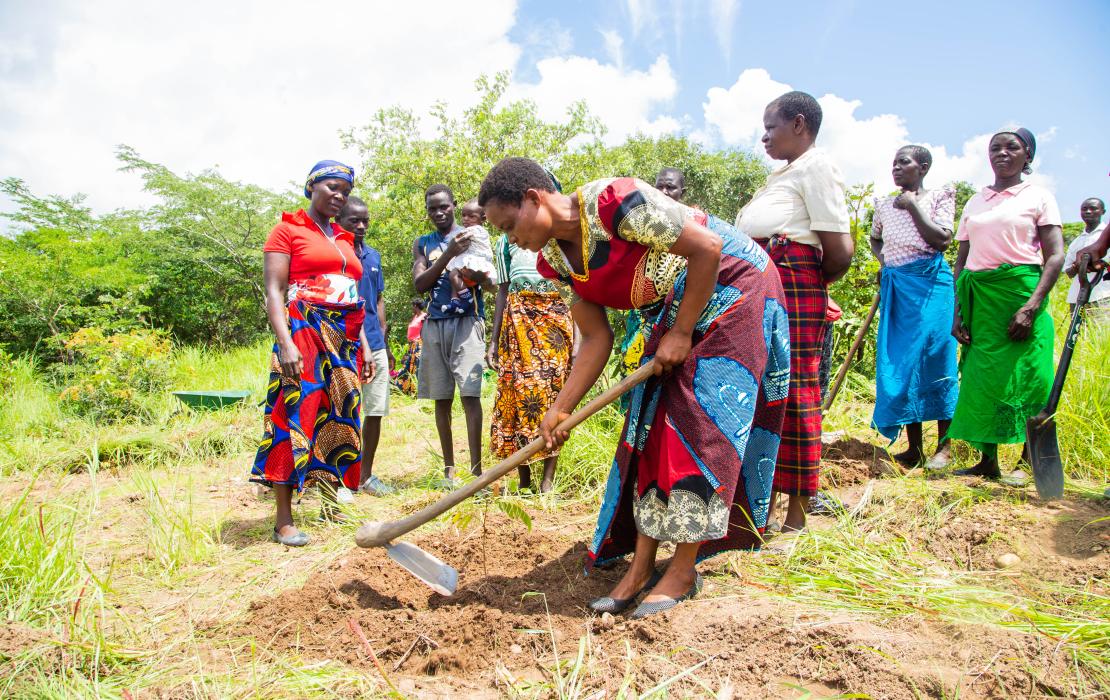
614 46
863 147
624 100
737 112
723 14
260 88
643 14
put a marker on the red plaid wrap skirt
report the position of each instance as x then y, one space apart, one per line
799 463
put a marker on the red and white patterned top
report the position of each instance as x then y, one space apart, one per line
902 242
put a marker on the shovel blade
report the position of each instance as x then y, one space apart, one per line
1044 452
435 574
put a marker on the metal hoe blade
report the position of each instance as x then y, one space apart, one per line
1044 453
435 574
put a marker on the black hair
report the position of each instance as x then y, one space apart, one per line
796 102
920 155
511 178
418 303
352 201
675 171
1100 202
436 189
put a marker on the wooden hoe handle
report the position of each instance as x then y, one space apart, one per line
378 534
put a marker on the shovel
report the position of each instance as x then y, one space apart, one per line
1040 430
860 335
437 575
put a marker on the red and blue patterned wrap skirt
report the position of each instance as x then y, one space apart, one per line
312 427
698 449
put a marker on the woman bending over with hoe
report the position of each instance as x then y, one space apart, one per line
697 453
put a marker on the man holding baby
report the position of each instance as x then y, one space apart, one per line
454 335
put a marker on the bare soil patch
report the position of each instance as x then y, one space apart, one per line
850 461
522 593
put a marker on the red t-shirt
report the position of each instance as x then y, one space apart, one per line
321 269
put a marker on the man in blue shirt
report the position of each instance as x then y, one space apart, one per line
454 347
355 218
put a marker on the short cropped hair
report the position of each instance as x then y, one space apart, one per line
1100 202
507 181
796 102
352 201
672 171
920 154
436 189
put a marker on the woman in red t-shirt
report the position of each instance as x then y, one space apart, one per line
312 422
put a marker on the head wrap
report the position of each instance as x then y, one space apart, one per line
1028 140
326 169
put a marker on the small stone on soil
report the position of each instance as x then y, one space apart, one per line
1007 560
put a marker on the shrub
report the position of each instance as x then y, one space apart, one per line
110 375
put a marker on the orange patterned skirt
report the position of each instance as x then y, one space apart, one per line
533 357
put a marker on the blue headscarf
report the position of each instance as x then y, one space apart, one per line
326 169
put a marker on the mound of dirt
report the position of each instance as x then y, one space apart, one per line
851 461
521 593
508 586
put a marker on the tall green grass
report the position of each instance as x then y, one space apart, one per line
52 600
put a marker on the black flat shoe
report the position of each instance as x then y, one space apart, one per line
985 471
648 609
605 604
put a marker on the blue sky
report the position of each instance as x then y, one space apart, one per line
242 86
950 71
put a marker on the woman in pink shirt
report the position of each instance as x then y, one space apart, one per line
1010 255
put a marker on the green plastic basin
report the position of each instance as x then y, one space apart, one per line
210 400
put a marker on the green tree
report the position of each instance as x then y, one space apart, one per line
203 251
68 270
720 182
399 164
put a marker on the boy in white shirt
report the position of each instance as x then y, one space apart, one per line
1091 211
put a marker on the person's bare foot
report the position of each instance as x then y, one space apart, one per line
940 460
795 520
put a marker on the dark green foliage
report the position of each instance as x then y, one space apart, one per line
719 182
398 164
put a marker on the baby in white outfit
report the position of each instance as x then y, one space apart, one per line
477 257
